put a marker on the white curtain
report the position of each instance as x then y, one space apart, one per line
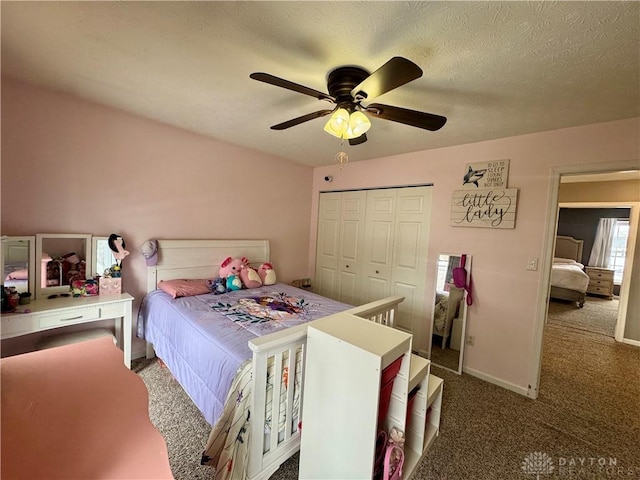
601 251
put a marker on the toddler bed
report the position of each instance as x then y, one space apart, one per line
239 355
568 279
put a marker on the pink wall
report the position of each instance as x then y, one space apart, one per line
70 166
504 315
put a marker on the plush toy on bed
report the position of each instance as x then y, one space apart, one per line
217 285
248 275
233 283
267 274
230 273
230 266
238 273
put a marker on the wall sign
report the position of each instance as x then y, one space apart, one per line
484 208
486 175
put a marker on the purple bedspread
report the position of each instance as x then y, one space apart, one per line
203 339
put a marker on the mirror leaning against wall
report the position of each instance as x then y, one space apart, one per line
449 314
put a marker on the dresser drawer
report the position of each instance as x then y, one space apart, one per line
71 316
600 283
113 311
606 275
599 290
14 326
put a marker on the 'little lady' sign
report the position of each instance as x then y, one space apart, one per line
486 208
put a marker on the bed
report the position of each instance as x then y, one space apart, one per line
242 370
77 412
16 275
17 253
568 279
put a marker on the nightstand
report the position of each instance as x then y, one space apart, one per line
600 281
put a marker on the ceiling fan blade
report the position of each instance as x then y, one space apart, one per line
358 140
392 74
280 82
305 118
428 121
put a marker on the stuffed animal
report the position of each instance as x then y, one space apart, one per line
267 274
217 285
248 275
230 266
233 282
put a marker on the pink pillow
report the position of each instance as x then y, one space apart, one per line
19 275
184 288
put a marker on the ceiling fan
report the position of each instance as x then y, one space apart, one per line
349 88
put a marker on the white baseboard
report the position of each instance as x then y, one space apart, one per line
635 343
501 383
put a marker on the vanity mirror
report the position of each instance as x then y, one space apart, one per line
18 262
449 315
101 256
60 257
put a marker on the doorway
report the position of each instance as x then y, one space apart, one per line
600 173
603 230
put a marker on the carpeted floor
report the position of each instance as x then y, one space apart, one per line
588 412
599 315
445 357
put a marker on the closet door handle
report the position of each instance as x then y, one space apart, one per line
377 271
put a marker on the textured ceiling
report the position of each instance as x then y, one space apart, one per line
494 69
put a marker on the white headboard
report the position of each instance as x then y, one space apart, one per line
569 247
201 258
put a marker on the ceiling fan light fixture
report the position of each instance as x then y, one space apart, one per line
358 124
338 123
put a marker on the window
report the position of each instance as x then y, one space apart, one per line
619 249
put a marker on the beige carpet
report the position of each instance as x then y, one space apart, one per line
599 315
588 408
447 357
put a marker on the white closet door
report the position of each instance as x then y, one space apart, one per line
350 249
378 245
329 210
409 268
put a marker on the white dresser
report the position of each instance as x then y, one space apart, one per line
47 314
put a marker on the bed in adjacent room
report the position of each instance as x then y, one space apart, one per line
239 355
568 279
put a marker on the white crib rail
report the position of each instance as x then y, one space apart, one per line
268 452
380 311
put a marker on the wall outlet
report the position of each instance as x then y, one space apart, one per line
533 264
471 340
